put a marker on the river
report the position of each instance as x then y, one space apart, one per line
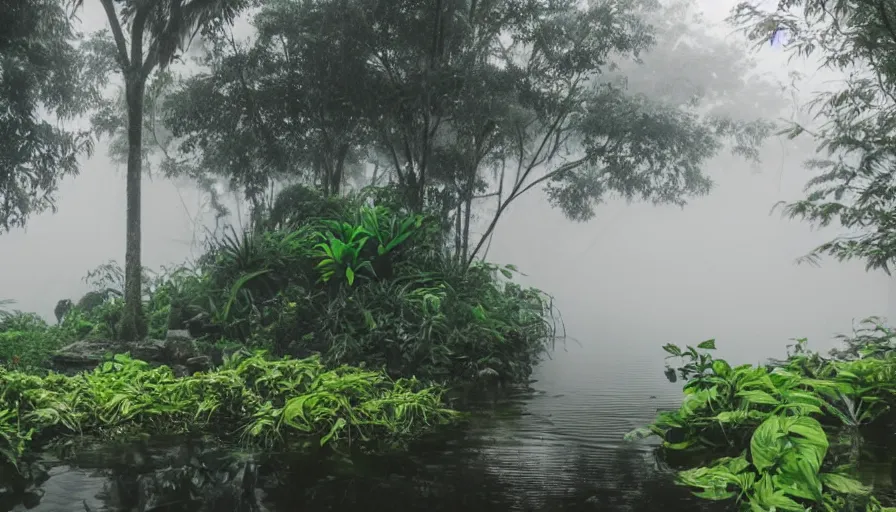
556 446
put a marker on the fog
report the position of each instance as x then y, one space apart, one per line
722 267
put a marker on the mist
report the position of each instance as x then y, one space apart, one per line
723 266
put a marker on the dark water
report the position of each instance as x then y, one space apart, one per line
557 446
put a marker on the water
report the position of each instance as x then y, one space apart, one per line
557 446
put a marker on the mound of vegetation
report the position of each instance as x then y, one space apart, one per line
793 435
249 398
354 279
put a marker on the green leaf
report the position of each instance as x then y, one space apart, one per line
721 368
339 425
672 349
349 275
758 397
708 345
843 484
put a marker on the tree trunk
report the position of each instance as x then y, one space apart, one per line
133 321
339 171
468 214
458 229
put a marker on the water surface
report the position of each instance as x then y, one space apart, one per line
556 446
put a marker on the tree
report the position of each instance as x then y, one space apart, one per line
463 101
157 30
41 68
855 135
496 98
278 109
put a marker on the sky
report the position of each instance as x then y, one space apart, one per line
721 267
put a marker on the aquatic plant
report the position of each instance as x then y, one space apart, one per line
785 436
251 398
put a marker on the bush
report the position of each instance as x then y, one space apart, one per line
375 288
26 341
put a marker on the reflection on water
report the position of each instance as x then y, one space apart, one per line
557 446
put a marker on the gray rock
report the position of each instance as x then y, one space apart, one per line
179 349
178 334
86 355
199 364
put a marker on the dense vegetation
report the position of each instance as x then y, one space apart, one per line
800 434
254 399
365 286
792 435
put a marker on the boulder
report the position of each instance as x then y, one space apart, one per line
178 351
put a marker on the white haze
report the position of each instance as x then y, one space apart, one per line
722 267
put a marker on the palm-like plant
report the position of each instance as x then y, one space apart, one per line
157 29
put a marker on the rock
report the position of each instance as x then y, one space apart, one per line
178 350
178 334
199 364
151 351
83 355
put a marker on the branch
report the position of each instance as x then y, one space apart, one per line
120 43
517 192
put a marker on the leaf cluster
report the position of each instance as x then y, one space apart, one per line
785 436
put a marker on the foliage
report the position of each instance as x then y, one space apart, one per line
854 184
251 397
42 72
785 436
26 340
456 102
373 287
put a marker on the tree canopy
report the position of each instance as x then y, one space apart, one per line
42 80
457 103
855 181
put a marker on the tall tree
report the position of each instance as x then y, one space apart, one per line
465 101
855 125
514 96
41 68
156 30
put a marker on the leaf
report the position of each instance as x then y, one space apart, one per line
672 349
843 484
338 426
349 275
707 345
670 374
721 368
758 397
